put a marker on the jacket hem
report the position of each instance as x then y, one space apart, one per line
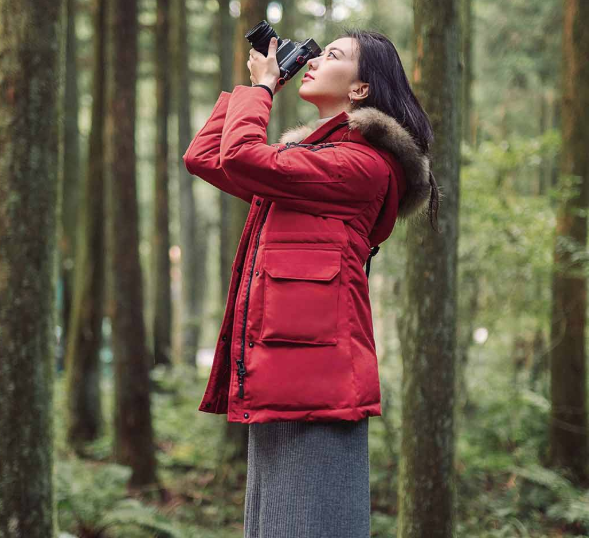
311 415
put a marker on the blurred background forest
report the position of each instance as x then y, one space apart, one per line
109 482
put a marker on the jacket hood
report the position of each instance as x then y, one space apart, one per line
385 133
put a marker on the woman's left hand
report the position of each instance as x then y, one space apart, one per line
264 69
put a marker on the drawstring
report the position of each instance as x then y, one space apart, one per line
373 252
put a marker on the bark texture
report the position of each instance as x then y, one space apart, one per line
193 238
69 165
225 200
85 419
162 318
568 424
134 443
29 213
252 12
426 480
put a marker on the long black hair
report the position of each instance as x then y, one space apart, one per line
391 93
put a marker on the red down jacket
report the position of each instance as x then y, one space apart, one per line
296 341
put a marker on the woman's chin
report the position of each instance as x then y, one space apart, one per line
305 94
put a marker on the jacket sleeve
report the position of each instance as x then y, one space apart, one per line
202 156
338 181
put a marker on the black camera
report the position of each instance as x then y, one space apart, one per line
290 55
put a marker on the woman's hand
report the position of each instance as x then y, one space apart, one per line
264 69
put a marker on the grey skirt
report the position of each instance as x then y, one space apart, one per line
308 480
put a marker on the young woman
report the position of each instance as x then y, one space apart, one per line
295 358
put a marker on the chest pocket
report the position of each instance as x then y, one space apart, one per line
301 295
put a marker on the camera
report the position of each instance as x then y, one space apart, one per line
290 55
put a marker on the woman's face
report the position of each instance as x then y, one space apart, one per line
334 79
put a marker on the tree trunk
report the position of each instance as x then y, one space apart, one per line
568 423
426 479
252 12
192 239
29 215
85 419
133 443
69 168
468 133
226 254
288 98
161 235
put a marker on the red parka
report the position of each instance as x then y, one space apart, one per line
296 341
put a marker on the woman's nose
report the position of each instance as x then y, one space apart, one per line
311 63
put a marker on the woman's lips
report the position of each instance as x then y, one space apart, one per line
308 77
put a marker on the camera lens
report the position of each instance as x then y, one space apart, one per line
259 36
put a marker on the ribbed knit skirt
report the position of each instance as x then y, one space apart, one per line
308 480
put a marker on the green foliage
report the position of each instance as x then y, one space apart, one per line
547 490
517 61
131 513
506 235
502 489
91 499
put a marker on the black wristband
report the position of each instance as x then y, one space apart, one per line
267 88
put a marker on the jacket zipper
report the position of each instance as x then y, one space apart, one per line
241 371
311 147
315 146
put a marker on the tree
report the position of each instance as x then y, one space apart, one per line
468 131
193 238
428 334
227 248
252 12
289 95
29 213
161 234
134 443
85 338
568 421
69 166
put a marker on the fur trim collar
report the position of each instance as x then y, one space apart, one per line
384 132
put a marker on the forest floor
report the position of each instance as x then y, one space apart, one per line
501 488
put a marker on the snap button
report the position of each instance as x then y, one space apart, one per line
251 344
258 202
239 269
257 273
224 337
208 404
246 415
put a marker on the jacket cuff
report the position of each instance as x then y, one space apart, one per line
253 92
267 88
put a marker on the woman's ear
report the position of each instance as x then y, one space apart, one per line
360 91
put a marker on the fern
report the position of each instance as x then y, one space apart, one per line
569 504
130 512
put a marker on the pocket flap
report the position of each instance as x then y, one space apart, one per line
303 264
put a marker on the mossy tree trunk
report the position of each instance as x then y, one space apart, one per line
133 443
429 346
29 214
85 418
568 424
162 316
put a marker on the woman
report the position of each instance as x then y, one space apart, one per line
295 358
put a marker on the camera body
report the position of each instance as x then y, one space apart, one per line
290 55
